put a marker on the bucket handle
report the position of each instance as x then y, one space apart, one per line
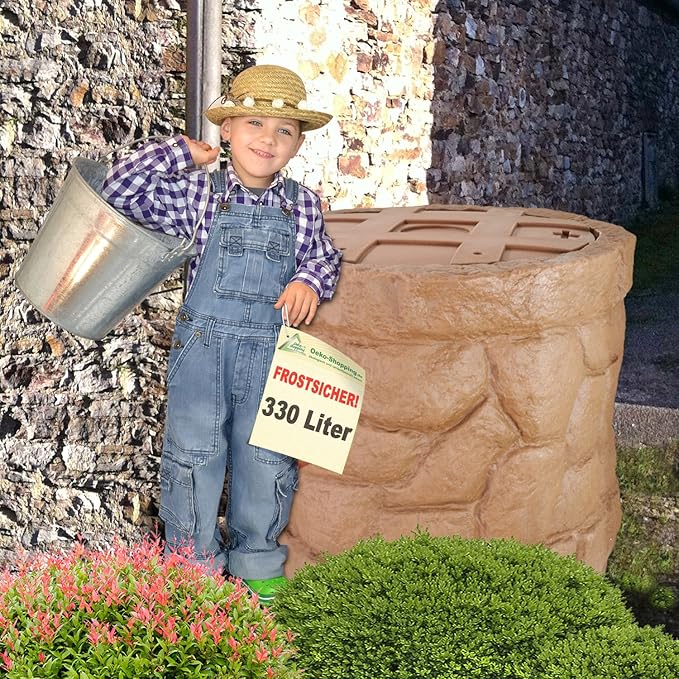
132 142
185 247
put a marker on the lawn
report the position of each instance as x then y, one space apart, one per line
645 561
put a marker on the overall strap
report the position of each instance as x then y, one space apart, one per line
291 190
218 180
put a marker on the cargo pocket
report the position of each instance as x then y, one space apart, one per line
286 485
193 403
177 505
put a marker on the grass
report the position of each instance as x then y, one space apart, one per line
645 561
656 260
649 470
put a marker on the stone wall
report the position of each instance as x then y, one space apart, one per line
545 103
487 102
370 64
79 420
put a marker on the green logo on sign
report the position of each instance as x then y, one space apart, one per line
294 345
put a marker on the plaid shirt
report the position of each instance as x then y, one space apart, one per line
159 187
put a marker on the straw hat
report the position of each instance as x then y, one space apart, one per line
270 91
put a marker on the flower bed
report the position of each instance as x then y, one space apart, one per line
130 612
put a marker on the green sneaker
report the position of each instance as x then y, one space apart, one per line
265 589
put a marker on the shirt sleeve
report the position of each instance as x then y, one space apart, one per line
159 187
320 265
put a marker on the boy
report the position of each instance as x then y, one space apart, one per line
262 246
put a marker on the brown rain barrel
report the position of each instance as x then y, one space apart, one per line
492 339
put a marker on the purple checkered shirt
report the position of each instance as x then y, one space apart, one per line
159 187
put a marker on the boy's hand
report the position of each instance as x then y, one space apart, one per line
301 300
201 152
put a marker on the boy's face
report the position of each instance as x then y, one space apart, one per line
261 146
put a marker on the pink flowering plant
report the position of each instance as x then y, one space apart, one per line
132 612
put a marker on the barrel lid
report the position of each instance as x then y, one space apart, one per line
453 234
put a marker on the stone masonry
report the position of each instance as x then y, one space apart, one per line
534 104
545 104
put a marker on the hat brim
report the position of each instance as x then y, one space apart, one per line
311 120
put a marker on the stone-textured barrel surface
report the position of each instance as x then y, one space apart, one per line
489 401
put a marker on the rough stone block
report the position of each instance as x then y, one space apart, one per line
537 380
471 450
430 388
521 500
387 456
603 340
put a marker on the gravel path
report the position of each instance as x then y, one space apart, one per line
647 401
650 366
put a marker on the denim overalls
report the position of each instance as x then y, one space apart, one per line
221 352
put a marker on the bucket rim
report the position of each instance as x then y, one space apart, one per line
144 232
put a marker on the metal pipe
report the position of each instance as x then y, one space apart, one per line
203 72
203 66
194 67
212 67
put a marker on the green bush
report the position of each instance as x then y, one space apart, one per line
451 608
628 652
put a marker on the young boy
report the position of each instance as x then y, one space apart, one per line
262 245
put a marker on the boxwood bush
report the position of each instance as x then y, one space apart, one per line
454 608
611 652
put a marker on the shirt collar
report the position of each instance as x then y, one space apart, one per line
233 181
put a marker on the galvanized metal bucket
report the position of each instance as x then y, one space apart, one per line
89 266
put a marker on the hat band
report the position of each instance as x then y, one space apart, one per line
250 102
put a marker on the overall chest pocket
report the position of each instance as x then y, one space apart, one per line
253 264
